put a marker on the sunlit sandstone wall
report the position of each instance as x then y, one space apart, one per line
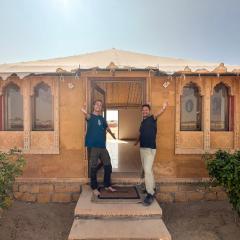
167 163
179 152
69 163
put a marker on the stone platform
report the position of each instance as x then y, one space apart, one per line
116 220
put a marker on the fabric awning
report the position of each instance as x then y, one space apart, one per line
113 58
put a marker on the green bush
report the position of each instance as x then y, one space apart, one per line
224 169
11 166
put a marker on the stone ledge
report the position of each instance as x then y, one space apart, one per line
166 192
44 192
51 180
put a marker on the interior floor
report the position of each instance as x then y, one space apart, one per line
125 156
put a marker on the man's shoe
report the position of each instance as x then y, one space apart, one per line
96 192
110 189
148 200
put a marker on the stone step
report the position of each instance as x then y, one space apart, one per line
121 229
120 221
85 208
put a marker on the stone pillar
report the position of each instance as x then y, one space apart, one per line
206 115
27 114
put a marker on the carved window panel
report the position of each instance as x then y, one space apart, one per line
43 135
13 108
189 118
220 125
45 138
11 139
191 109
42 108
221 140
220 108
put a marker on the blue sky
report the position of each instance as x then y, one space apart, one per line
202 30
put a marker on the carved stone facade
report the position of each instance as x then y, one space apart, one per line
178 152
32 142
199 142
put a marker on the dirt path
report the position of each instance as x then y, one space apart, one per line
201 221
185 221
26 221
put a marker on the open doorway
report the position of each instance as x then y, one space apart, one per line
122 110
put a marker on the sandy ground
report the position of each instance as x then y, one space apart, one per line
201 221
185 221
26 221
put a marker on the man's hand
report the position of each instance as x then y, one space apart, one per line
137 140
84 111
113 135
136 143
165 104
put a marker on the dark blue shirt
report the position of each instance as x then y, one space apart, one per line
96 132
148 132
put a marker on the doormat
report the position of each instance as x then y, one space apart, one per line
124 194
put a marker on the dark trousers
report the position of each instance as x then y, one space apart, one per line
94 155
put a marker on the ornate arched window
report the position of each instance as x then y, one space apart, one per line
221 109
191 109
12 106
42 108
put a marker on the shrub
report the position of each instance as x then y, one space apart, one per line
224 169
11 166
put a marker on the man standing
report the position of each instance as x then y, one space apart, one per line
147 138
95 141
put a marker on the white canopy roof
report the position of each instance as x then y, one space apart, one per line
112 58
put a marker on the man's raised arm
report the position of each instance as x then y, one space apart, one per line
111 133
87 115
165 104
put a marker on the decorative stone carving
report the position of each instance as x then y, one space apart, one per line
5 76
60 70
38 80
14 80
166 84
228 82
187 69
237 71
112 66
220 69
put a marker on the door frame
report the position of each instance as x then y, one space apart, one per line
91 80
